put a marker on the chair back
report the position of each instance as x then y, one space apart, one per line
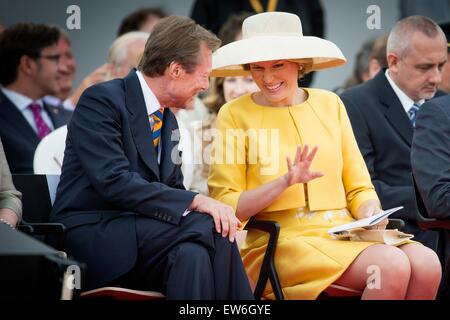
38 195
49 154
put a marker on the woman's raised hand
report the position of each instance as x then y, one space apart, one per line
300 171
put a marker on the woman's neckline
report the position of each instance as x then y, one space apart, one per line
305 90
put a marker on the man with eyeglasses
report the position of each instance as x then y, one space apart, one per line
383 111
30 64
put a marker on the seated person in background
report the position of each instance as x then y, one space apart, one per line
67 95
29 70
221 91
370 59
430 156
125 53
66 74
10 198
249 171
143 19
382 112
121 196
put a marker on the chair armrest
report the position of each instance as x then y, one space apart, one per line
47 228
53 229
434 224
268 270
395 224
25 228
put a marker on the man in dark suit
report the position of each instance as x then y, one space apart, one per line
430 156
121 193
29 70
383 110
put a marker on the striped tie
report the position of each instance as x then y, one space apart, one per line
157 117
412 113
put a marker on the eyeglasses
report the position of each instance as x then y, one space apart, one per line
52 57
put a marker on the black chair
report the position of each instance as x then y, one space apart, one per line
34 271
268 270
442 226
38 193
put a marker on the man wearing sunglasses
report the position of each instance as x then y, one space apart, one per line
30 64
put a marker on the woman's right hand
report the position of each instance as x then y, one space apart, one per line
300 171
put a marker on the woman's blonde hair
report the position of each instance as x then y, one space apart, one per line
215 99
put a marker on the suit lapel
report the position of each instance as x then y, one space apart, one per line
9 111
139 122
393 109
55 115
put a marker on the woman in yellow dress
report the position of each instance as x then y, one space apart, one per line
314 191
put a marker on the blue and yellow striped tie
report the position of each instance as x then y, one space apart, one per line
157 117
412 113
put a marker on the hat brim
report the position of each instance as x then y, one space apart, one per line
228 60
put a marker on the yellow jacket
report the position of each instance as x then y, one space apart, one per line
269 134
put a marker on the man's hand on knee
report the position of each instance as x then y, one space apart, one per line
224 217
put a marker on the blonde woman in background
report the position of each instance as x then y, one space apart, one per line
222 90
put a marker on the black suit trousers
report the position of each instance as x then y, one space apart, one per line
188 261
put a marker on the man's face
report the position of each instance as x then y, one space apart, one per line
68 65
419 71
445 84
188 85
47 71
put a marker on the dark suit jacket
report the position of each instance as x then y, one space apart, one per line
18 137
430 156
384 134
110 174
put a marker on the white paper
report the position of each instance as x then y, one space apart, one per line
366 222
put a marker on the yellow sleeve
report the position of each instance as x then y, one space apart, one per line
227 177
357 183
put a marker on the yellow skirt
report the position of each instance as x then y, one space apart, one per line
307 259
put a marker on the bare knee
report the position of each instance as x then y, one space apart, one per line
426 270
394 272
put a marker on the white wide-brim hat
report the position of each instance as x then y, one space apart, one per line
274 36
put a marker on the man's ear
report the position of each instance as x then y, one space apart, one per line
27 65
175 69
393 61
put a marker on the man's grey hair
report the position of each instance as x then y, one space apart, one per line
119 49
400 36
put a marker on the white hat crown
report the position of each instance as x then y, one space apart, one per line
272 23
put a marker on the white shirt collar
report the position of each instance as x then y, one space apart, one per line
19 100
406 101
151 102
